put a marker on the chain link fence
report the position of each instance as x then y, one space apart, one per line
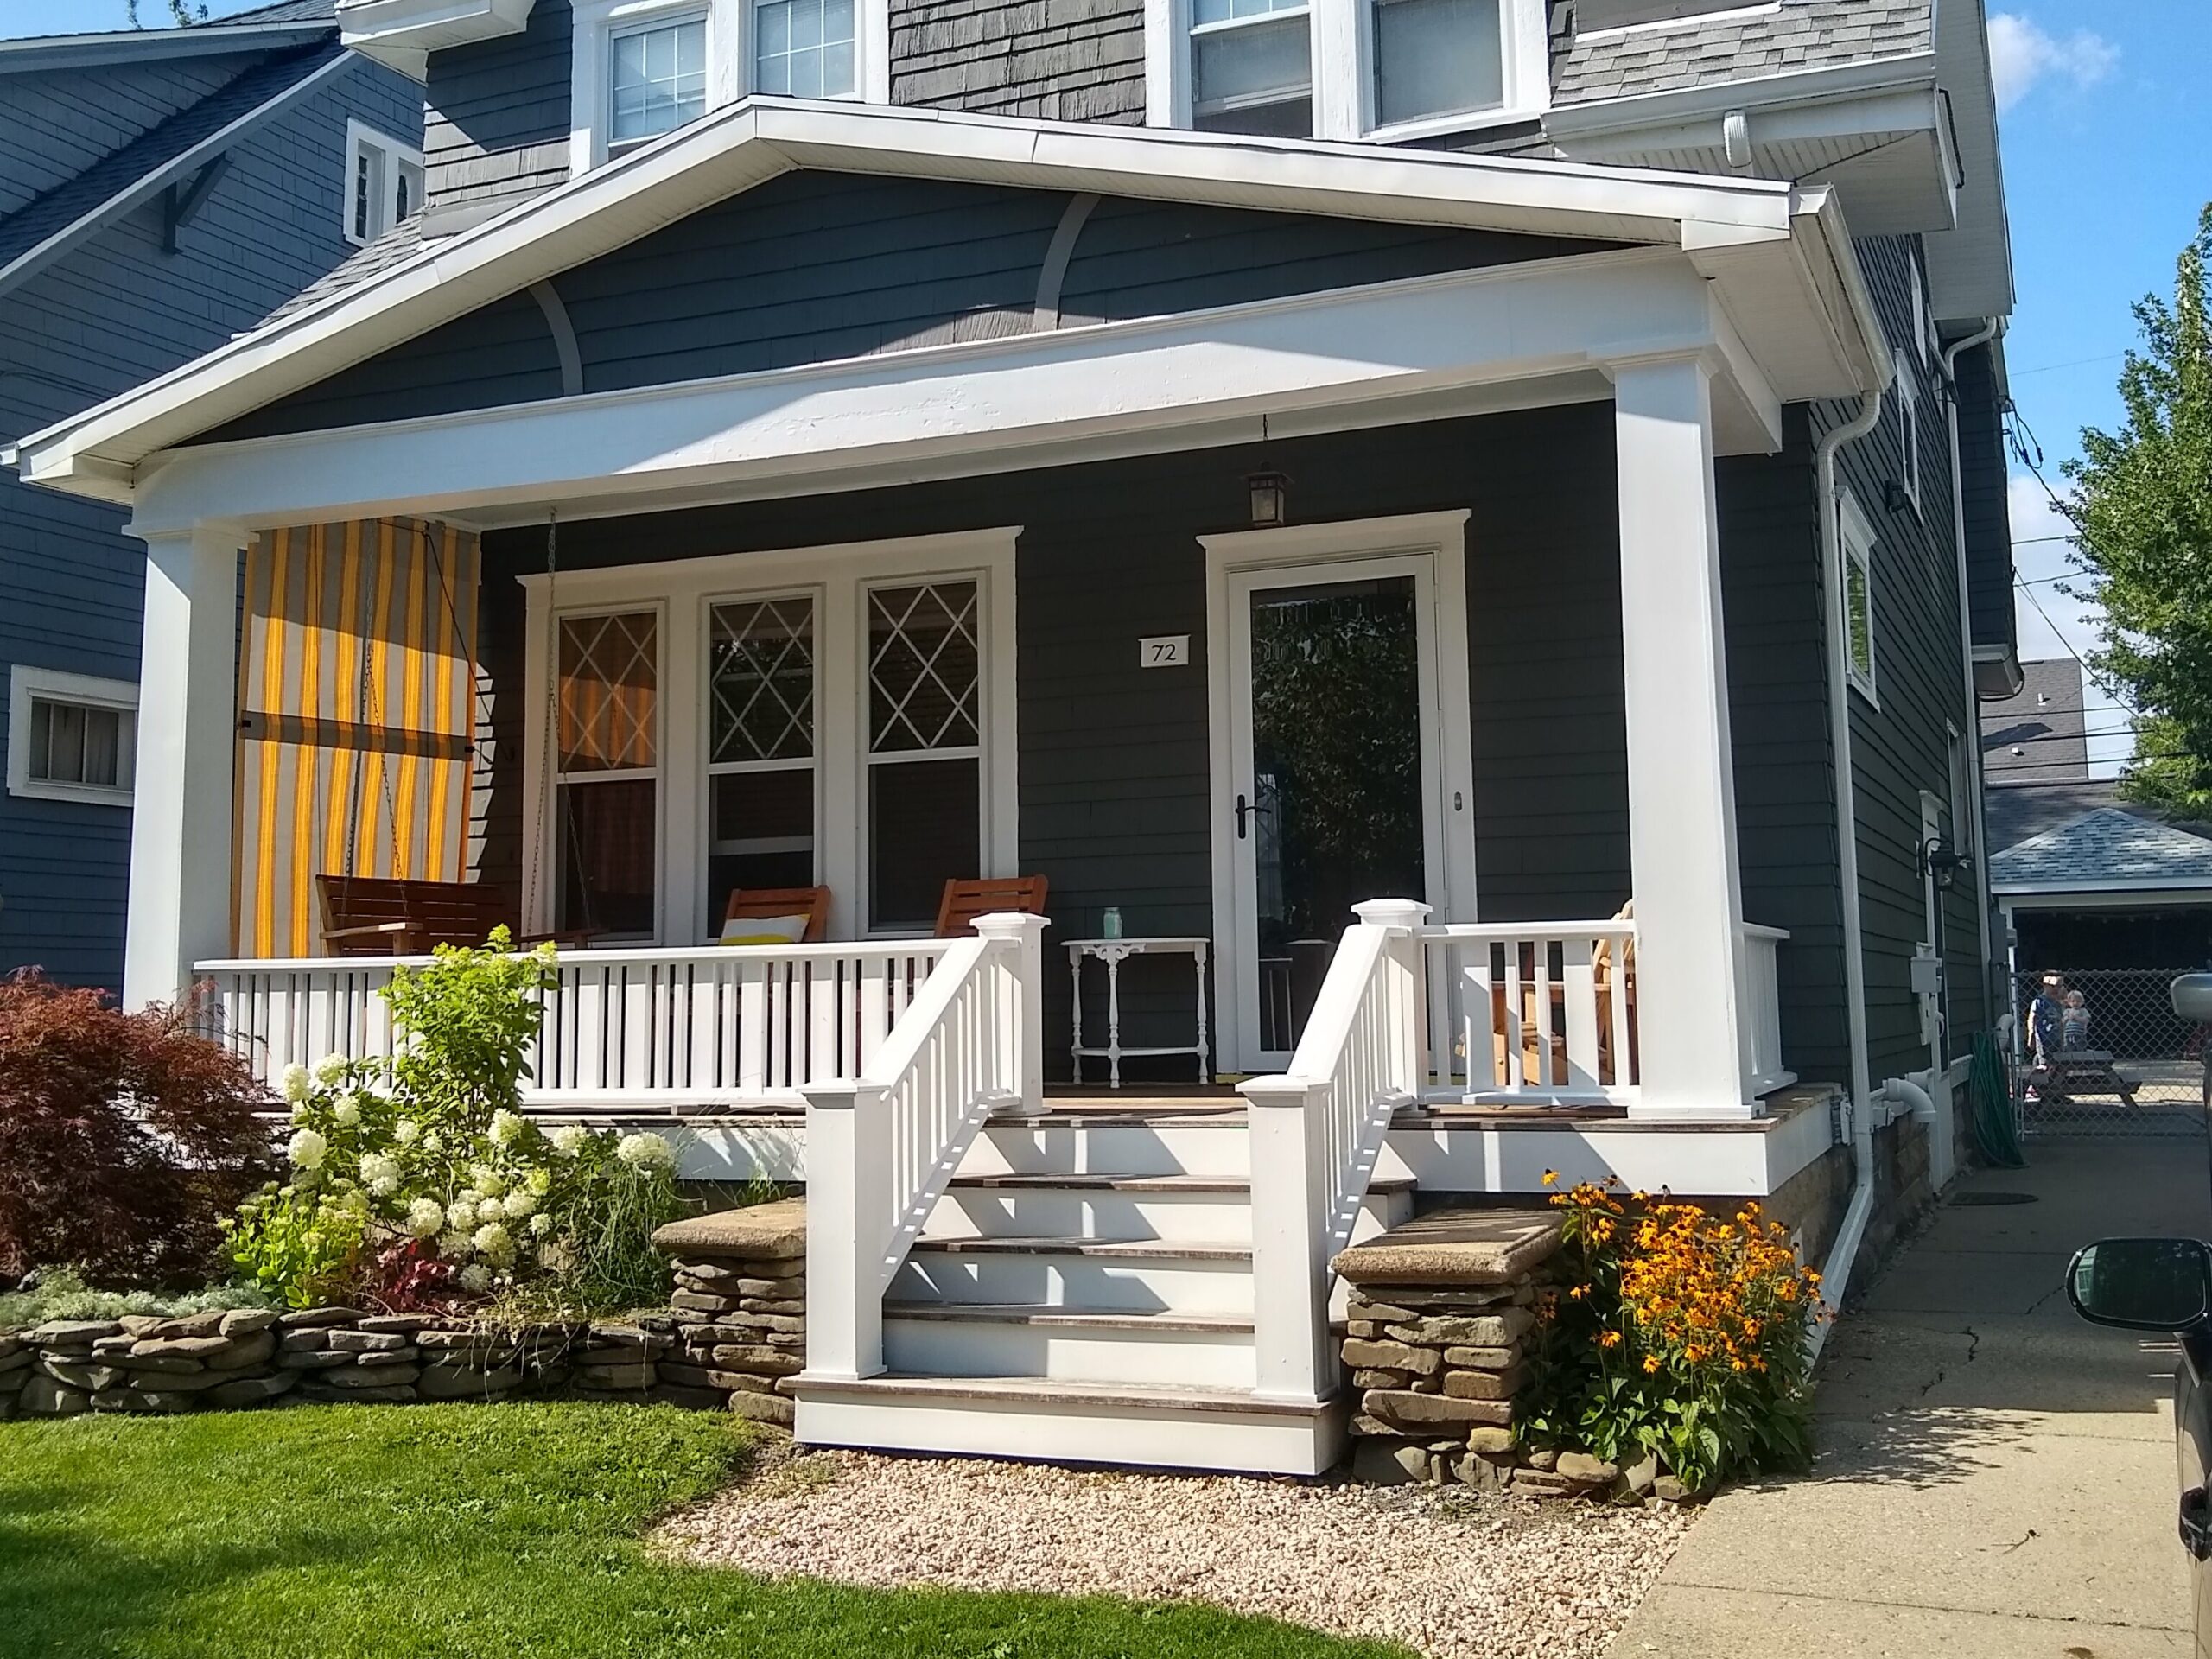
2102 1053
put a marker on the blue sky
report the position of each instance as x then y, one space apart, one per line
2107 144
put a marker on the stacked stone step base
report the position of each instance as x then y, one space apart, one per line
737 1319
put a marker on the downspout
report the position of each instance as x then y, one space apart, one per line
1836 1271
1982 901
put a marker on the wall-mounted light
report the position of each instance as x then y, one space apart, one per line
1269 491
1940 859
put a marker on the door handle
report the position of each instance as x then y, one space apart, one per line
1244 810
2196 1523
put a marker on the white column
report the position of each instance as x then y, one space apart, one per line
187 731
1682 794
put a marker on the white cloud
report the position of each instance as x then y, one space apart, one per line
2022 53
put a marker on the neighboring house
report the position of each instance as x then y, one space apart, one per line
161 191
1524 459
2039 735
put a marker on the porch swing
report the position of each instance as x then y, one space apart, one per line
371 915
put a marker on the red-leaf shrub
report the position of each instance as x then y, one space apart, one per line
123 1137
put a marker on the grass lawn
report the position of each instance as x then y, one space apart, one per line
379 1532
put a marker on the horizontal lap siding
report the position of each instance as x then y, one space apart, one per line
110 315
1053 60
498 123
1985 499
1114 786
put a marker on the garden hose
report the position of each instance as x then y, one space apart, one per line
1996 1135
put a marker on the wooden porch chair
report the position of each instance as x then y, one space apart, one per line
1609 1063
1543 1041
768 905
964 900
379 916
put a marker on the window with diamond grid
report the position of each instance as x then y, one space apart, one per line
760 722
924 688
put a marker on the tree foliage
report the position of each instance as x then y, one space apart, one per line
2142 503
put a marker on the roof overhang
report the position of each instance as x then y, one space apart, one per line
401 34
1997 672
2144 895
1878 131
1970 266
1778 260
45 53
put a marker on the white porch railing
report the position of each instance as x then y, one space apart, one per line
718 1027
1317 1131
1532 1012
880 1148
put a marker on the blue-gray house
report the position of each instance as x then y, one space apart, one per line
160 191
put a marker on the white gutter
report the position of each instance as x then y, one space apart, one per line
1836 1271
1984 898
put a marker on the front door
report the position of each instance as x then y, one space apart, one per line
1335 780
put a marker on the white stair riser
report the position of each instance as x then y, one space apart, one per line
975 1348
1156 1286
1065 1212
1129 1149
1154 1436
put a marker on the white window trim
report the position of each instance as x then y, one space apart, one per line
1857 539
361 136
1908 392
729 60
686 590
25 682
1343 70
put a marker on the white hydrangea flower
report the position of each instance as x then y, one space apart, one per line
518 1203
425 1218
347 1112
434 1141
406 1131
474 1278
645 1150
330 1069
490 1210
306 1149
299 1113
506 1127
455 1245
540 1225
377 1166
540 1181
555 1256
460 1215
293 1083
568 1139
384 1185
493 1242
489 1183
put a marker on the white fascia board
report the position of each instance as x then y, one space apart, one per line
150 184
2137 890
758 139
45 53
984 402
401 34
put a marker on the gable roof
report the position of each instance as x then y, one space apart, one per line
2106 849
1736 226
288 23
1790 36
50 226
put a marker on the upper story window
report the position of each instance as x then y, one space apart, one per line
659 78
384 182
71 737
1858 540
1908 396
644 68
1343 69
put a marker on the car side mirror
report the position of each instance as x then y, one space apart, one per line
2143 1284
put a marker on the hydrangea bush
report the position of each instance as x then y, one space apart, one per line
416 1181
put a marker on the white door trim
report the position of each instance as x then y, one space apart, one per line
1449 852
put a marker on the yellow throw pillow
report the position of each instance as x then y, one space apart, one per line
764 930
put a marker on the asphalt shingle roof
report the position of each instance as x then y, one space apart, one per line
1797 35
2108 846
388 249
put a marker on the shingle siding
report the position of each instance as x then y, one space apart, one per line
1986 500
59 122
497 121
114 312
1056 59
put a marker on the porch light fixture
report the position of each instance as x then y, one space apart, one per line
1944 862
1270 491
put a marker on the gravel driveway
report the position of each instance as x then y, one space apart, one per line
1453 1574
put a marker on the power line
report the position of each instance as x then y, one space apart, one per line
2076 363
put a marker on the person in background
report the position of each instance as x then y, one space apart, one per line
2044 1014
2074 1022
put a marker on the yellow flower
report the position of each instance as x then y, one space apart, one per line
1551 1178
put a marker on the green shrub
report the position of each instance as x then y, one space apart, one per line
62 1293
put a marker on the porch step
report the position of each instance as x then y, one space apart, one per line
1191 1209
1120 1145
1065 1343
1172 1426
1141 1275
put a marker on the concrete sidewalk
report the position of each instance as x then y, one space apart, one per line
1996 1477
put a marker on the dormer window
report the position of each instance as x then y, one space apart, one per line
382 183
660 79
1344 68
641 68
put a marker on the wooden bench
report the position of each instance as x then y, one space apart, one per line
964 900
383 916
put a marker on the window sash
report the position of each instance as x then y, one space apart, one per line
661 96
1421 86
84 745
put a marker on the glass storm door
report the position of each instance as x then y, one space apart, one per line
1333 773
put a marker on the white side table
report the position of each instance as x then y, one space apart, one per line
1113 953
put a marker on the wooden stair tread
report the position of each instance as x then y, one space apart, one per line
1098 1182
1048 1391
1071 1317
1134 1250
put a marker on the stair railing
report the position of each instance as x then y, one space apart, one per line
1317 1131
881 1148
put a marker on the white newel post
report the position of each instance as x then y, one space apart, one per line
1290 1271
1023 1024
1405 917
1682 852
847 1195
188 732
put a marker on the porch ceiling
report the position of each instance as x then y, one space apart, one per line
111 451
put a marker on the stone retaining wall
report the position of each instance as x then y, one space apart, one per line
736 1329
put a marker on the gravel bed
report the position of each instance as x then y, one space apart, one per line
1455 1574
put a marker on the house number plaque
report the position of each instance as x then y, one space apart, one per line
1164 650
